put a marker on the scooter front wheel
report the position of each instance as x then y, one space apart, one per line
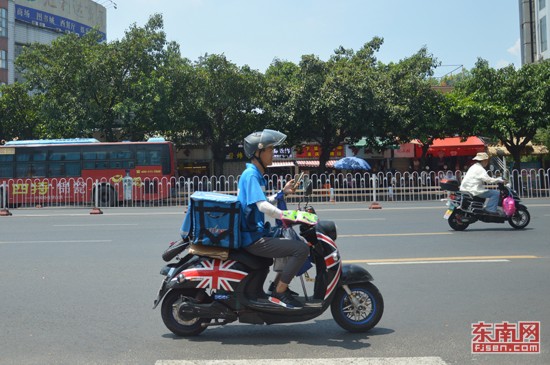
179 325
362 315
520 219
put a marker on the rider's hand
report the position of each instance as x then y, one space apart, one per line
289 187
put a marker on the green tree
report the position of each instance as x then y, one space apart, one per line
416 109
506 104
19 116
328 102
113 88
228 105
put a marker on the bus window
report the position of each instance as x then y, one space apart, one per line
23 170
94 155
56 169
88 155
154 156
64 156
120 155
38 170
6 170
64 169
23 156
72 169
116 165
6 165
39 156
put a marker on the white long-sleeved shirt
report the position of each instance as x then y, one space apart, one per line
475 178
268 207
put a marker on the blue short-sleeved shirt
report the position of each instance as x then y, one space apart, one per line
251 190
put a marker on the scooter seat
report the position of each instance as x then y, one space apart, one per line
468 195
252 261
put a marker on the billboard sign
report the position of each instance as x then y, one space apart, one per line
76 16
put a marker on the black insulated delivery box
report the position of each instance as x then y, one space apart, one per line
449 184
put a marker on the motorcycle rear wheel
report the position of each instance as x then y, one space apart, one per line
455 220
520 219
184 327
366 315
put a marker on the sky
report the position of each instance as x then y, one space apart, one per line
255 32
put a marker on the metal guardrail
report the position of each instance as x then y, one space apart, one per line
341 187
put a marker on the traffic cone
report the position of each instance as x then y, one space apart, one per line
96 210
375 205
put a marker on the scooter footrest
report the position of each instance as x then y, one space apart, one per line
314 303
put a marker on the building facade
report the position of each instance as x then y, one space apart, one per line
534 30
24 22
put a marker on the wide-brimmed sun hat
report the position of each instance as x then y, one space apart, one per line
481 156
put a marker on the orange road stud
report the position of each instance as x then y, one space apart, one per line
375 205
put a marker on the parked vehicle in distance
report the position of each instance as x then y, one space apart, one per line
84 170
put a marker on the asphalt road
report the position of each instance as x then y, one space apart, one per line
78 289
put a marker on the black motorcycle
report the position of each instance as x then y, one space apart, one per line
464 209
200 291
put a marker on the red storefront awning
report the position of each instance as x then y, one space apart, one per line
454 146
282 164
315 163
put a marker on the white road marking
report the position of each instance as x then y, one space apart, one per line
433 262
439 260
394 234
94 225
64 241
336 361
360 219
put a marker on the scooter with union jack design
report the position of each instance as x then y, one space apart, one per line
201 290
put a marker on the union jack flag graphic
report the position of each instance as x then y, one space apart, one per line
215 274
331 260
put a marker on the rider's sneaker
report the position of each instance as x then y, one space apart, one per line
271 289
286 300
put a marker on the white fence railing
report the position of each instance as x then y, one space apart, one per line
341 187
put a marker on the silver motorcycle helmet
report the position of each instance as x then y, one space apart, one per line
261 140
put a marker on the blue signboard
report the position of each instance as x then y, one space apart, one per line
51 21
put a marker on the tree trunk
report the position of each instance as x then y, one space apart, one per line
323 158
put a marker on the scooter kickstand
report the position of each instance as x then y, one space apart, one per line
303 287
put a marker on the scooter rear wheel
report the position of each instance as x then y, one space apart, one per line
179 326
455 220
363 317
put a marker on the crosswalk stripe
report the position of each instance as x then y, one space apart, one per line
335 361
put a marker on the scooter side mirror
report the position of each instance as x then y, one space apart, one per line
309 188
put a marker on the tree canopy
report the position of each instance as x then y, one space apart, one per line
140 86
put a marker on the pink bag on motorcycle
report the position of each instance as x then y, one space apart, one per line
509 206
